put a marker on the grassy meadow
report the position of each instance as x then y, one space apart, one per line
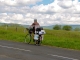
57 38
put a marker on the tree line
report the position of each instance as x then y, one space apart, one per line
65 27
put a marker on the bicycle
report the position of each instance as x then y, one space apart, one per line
29 37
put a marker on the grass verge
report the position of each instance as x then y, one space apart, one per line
58 38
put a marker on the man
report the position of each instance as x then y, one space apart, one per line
35 25
36 30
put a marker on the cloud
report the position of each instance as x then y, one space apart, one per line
28 1
25 11
18 2
65 3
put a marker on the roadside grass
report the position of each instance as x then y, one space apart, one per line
64 39
11 34
58 38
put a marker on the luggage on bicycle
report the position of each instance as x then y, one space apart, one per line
36 36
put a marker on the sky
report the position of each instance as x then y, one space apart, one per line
47 12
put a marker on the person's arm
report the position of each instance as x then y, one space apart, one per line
32 24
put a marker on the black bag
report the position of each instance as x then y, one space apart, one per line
38 29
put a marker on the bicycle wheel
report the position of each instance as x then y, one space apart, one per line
28 38
39 40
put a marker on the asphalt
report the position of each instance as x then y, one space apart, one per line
21 51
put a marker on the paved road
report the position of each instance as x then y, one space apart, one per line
21 51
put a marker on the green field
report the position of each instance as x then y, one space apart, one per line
57 38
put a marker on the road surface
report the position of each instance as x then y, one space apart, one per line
21 51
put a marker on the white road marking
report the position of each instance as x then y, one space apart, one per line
30 51
62 57
14 48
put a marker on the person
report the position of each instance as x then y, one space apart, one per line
34 25
37 30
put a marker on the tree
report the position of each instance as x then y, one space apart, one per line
67 28
57 27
